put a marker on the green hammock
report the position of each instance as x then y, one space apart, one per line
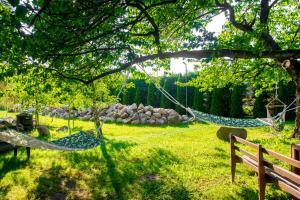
75 142
235 122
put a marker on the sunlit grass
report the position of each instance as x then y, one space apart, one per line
137 162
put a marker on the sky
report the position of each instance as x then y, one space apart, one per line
177 65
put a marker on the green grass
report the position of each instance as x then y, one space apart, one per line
138 162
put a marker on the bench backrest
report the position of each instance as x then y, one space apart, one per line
287 180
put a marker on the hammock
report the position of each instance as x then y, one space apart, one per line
75 142
276 122
235 122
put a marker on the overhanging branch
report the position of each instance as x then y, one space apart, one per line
201 54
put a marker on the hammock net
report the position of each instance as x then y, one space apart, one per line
75 142
234 122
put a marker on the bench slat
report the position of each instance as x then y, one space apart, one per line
283 158
248 161
283 172
246 153
245 142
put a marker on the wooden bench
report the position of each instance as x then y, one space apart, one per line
6 147
266 171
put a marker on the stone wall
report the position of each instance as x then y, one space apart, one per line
131 114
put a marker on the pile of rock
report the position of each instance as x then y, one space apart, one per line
131 114
141 114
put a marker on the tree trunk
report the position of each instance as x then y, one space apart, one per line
97 121
37 118
296 132
69 119
293 68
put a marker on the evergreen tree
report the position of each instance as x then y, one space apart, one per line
153 95
259 108
169 86
236 103
220 102
287 94
129 95
180 95
199 101
217 106
140 92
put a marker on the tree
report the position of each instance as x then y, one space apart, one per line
236 102
65 36
180 94
153 95
169 86
220 102
199 101
217 104
259 108
140 92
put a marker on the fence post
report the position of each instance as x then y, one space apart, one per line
295 154
232 157
261 173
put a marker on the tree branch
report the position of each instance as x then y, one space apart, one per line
200 54
46 4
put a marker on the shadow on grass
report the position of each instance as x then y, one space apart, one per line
49 184
117 175
149 125
11 163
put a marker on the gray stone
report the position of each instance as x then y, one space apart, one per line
137 121
173 119
224 133
119 120
62 129
143 120
43 130
130 111
157 115
134 106
124 115
184 118
126 121
148 113
151 121
135 116
141 107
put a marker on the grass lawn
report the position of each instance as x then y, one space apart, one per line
138 162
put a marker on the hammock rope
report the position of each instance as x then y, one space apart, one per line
75 142
277 121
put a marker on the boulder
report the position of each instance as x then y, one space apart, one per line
141 107
157 115
224 133
137 121
135 116
173 118
62 129
130 111
148 113
143 120
151 121
124 115
134 106
119 120
126 121
160 121
184 118
43 130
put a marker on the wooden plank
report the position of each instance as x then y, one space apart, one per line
289 189
283 158
283 172
245 142
249 162
246 153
